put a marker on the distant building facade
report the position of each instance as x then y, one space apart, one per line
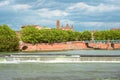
36 26
67 27
115 29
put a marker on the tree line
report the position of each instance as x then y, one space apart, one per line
107 34
9 41
33 35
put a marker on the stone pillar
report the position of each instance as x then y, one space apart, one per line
92 35
109 45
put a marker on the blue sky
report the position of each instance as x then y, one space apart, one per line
83 14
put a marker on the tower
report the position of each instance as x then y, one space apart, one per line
58 24
67 26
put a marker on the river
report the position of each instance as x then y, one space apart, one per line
62 71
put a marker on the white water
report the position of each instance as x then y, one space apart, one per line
64 58
55 60
39 68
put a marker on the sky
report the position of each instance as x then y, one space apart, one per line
83 14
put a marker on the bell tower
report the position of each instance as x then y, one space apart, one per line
58 24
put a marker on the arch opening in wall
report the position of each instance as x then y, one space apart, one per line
24 47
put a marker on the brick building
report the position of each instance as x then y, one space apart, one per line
36 26
67 27
115 29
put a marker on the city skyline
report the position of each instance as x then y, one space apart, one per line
83 14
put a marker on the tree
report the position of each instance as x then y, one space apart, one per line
107 34
71 35
86 35
8 39
30 34
78 36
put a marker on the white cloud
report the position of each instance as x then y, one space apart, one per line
4 3
92 23
21 7
38 3
101 24
90 8
52 13
65 21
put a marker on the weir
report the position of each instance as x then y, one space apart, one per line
60 57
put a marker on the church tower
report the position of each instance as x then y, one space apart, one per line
58 24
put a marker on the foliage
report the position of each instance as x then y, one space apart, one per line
8 39
108 34
86 35
32 35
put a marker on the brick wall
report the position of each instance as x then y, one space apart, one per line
55 46
117 46
100 45
64 46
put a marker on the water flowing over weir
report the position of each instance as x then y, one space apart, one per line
61 65
62 58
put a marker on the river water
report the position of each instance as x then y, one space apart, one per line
62 71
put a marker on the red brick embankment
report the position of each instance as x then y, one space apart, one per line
53 47
66 46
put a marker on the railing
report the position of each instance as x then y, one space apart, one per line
102 41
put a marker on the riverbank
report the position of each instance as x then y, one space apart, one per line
73 45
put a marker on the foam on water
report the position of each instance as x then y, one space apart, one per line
54 61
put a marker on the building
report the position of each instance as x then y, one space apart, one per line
36 26
115 29
67 27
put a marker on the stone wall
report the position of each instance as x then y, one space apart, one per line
117 46
100 45
108 46
66 46
52 47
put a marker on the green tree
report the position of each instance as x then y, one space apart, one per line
115 34
8 39
86 35
72 35
107 34
30 34
78 36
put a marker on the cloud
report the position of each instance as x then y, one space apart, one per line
4 3
83 14
21 7
51 13
91 8
38 3
100 25
92 23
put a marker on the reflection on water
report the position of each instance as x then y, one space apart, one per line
89 52
60 71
